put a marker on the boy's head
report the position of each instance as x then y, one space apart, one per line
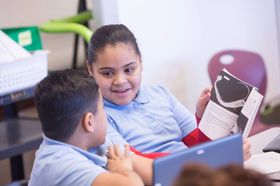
68 101
114 60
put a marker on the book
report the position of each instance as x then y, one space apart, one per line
232 107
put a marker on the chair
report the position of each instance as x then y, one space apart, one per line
248 66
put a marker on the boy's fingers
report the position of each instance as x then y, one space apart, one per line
127 150
117 150
111 152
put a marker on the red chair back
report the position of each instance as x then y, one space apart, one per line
247 66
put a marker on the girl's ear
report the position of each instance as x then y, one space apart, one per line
89 122
141 67
141 63
89 68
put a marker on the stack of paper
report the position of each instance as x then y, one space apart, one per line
265 163
19 69
10 51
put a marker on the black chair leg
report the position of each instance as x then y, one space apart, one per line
81 7
17 169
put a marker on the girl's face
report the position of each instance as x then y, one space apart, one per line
117 71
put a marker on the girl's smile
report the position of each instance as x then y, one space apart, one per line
117 71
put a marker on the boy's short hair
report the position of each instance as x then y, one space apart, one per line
62 98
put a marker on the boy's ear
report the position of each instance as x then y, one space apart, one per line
89 68
89 122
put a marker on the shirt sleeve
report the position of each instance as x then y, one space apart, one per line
64 168
196 136
79 172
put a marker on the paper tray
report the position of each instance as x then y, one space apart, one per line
22 74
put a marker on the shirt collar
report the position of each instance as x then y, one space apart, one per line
140 98
90 155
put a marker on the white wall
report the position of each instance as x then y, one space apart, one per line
177 38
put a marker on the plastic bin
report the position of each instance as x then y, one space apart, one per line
21 74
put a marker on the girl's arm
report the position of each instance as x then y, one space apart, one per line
196 136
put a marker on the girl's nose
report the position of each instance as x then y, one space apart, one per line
120 79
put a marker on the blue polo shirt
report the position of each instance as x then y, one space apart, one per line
155 121
58 163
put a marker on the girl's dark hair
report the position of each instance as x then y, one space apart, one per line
110 35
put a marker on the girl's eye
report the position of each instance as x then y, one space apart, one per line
107 74
129 70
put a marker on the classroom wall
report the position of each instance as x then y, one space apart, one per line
177 38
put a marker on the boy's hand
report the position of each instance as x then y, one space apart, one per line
246 149
119 160
203 101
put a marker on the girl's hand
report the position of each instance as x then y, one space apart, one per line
203 101
246 149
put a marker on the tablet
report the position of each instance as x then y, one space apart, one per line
215 153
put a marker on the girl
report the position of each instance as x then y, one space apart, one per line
150 119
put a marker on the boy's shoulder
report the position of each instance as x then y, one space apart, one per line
60 162
52 149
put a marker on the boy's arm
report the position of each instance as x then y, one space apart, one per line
126 177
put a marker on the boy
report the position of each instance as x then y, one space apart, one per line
70 108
